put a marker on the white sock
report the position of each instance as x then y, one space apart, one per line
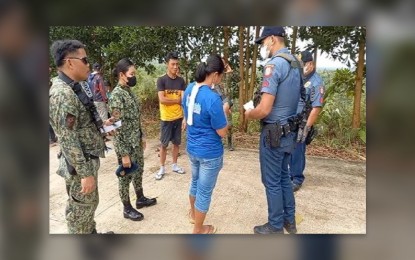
162 168
174 165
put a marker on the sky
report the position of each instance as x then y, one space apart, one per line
323 60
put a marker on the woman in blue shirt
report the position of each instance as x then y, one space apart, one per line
206 126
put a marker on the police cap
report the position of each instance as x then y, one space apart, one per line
270 30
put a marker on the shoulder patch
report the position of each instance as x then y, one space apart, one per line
116 114
265 83
70 121
322 90
268 70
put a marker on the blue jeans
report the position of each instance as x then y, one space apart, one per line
204 175
297 164
274 173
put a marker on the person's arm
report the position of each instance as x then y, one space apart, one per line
167 101
217 118
312 118
69 141
317 99
223 131
122 143
272 72
161 87
102 90
226 108
263 109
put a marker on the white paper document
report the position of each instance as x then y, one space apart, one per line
249 105
112 127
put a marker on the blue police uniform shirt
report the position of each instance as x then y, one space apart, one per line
287 92
314 89
202 139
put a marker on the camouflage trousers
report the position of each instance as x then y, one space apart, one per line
80 208
137 156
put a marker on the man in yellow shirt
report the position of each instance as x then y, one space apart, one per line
170 89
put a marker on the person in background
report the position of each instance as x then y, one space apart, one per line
314 89
170 89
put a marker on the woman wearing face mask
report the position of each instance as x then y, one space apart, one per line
206 126
129 138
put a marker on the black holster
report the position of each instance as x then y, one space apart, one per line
273 134
70 168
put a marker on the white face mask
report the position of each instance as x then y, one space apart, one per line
264 52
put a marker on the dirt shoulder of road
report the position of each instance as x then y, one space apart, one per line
331 201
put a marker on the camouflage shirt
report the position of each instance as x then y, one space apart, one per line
124 106
72 123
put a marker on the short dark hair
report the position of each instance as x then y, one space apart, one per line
174 55
122 66
61 48
213 64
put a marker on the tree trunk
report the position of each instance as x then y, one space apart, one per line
358 85
247 66
226 36
241 74
247 63
253 71
315 57
294 40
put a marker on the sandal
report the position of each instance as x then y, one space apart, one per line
189 216
212 229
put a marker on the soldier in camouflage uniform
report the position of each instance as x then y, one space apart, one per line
129 138
80 141
227 99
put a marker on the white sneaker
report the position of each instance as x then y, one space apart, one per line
177 169
160 174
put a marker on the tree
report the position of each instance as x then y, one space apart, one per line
294 39
242 82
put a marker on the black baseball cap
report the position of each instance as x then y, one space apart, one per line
306 56
271 30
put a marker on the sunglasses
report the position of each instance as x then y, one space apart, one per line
84 59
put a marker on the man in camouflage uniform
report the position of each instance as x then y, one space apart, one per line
129 141
225 95
80 141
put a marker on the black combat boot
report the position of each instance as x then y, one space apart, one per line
131 213
142 201
230 146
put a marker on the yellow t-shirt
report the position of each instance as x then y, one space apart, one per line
172 88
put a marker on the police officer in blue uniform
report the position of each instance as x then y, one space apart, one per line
280 92
314 93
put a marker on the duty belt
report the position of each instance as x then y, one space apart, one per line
286 129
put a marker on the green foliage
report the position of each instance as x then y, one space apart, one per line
147 47
146 88
334 123
253 125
